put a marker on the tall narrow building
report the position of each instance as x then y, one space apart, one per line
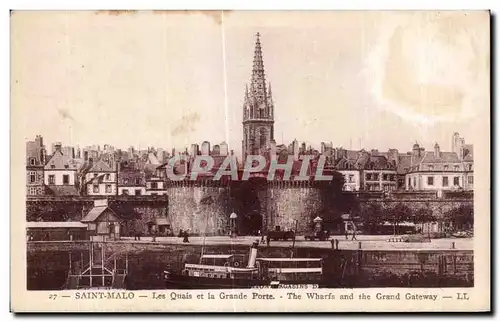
258 109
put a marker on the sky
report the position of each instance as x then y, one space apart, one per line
373 80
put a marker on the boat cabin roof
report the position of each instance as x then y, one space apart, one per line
217 256
290 259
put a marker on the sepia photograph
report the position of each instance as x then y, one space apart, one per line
301 152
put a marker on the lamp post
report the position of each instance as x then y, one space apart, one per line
318 224
232 225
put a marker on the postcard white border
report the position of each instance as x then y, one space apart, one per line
185 4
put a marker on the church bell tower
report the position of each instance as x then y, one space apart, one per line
258 109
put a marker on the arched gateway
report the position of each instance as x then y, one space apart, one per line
249 201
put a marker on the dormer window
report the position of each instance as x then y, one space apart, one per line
470 167
445 167
32 161
52 166
431 167
66 166
455 167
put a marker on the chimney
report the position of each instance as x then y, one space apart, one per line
416 150
273 150
253 254
437 152
39 140
57 147
395 156
295 149
461 148
43 156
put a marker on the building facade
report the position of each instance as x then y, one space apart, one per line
352 175
437 170
61 173
101 179
131 182
35 161
155 186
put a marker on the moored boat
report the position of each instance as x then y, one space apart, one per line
222 271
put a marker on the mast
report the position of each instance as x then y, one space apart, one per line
203 245
204 232
294 237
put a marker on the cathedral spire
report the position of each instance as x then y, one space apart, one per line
258 109
258 84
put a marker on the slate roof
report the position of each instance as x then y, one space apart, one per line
95 212
445 157
380 162
351 154
362 160
32 150
85 167
59 161
345 164
404 164
152 159
469 152
100 166
55 224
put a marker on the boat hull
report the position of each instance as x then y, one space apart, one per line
191 282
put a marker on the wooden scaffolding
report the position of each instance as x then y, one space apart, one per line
103 270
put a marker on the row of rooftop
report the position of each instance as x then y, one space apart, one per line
113 171
338 158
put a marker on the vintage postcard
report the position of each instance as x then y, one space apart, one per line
250 161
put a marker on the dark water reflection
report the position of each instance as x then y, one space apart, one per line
49 270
